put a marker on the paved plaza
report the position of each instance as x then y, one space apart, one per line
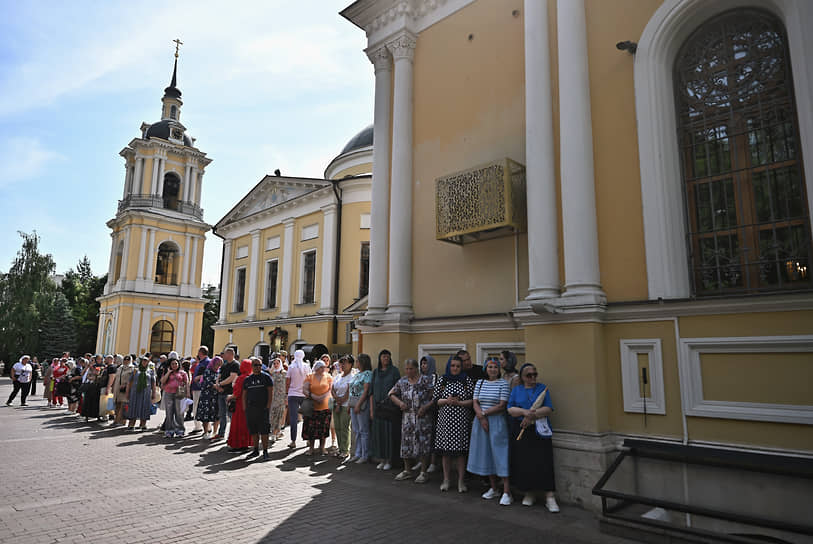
64 480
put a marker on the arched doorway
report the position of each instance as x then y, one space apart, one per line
172 187
166 265
162 336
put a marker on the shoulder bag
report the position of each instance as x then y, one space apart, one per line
306 408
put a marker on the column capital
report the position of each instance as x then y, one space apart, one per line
329 208
256 233
288 222
227 243
403 46
381 58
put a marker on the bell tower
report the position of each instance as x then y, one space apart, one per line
152 299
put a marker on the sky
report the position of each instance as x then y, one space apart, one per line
269 84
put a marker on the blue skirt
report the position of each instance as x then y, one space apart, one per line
488 451
140 405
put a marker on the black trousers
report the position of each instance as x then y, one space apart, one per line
23 388
34 385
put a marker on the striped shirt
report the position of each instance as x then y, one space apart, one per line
491 393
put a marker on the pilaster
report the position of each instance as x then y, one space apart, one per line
225 280
287 267
253 273
329 219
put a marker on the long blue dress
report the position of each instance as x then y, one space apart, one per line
207 405
140 401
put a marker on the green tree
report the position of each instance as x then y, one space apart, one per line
58 329
81 288
27 295
211 313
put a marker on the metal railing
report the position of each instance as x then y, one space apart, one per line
154 201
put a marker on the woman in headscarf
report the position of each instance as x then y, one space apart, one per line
60 384
532 455
386 431
91 390
429 369
140 392
317 425
207 405
119 389
508 363
332 371
277 412
298 371
488 452
48 381
239 439
75 380
412 394
453 396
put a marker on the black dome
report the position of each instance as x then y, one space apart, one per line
161 130
359 141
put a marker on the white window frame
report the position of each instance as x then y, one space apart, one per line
661 179
265 290
482 349
241 253
655 403
691 378
310 232
234 290
272 243
302 275
439 349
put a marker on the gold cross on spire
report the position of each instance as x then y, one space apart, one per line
178 43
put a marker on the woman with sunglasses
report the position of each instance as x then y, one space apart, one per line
532 455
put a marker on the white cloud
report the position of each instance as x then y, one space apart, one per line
23 158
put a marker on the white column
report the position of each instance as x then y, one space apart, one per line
186 252
146 329
100 332
287 267
134 329
400 293
123 276
112 264
180 334
193 273
198 183
253 273
543 228
190 330
127 173
380 200
142 254
579 225
187 180
154 185
225 278
113 337
162 165
329 220
149 273
138 181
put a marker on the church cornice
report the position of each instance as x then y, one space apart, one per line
164 147
180 220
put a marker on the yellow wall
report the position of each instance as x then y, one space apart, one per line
304 245
357 170
469 109
350 256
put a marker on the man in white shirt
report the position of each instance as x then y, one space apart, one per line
298 370
21 380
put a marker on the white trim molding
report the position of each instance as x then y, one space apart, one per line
482 349
441 349
691 378
661 184
655 403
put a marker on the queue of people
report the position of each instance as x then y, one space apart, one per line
488 422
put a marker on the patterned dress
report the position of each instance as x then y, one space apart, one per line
207 405
141 401
278 403
454 422
416 432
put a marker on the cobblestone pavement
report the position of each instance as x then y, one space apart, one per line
64 480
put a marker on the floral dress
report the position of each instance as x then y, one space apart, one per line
207 405
454 422
278 403
416 432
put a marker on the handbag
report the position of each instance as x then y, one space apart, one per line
111 403
156 397
232 406
306 408
385 409
183 391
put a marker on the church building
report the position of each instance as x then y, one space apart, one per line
152 299
619 192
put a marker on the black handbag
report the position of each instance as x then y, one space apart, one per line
385 409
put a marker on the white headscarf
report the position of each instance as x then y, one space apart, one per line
299 357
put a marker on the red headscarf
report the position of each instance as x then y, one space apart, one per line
245 371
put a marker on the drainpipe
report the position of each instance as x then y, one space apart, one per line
338 193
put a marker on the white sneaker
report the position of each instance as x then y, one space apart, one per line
386 466
506 499
432 468
360 461
490 494
418 467
380 465
528 500
352 459
550 504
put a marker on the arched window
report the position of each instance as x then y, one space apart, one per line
172 186
108 337
166 265
748 226
173 112
161 337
